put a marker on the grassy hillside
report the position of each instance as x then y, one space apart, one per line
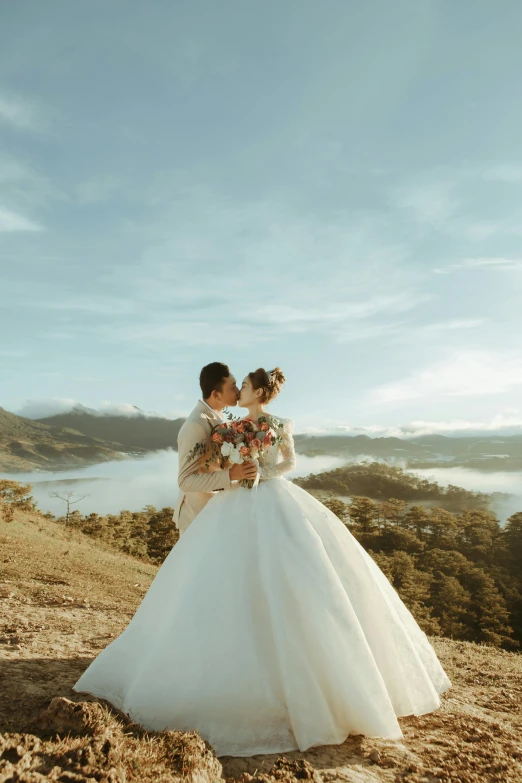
64 597
26 445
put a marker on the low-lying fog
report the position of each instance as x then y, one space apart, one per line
130 484
499 481
134 483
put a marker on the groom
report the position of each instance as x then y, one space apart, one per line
219 390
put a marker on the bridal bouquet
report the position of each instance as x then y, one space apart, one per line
240 440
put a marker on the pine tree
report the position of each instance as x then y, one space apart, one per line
363 512
442 529
418 520
14 496
513 538
449 602
163 534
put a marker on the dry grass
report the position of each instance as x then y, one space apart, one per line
63 598
89 741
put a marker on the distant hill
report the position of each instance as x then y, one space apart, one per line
357 445
138 431
491 452
27 445
380 481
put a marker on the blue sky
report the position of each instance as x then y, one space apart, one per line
332 187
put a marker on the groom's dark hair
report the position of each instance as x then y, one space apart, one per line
212 377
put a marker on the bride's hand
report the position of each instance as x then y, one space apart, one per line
245 470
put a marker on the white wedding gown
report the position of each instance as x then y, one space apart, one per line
268 628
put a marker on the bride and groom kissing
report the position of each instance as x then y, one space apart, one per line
268 628
219 391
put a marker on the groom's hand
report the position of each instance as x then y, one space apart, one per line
246 470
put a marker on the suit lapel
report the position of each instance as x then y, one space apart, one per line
211 416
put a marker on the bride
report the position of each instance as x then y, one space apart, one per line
268 628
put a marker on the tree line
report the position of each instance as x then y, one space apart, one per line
380 481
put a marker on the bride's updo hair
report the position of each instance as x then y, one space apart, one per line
271 385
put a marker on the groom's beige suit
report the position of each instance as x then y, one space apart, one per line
196 489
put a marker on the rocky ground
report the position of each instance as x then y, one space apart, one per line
64 598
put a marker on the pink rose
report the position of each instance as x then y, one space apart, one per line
267 440
244 450
256 443
263 426
217 438
240 427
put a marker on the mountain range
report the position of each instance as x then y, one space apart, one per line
83 436
27 445
137 432
490 452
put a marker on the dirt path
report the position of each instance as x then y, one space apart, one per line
63 599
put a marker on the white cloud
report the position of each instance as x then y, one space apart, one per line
341 312
430 202
11 221
347 322
12 354
502 172
22 113
508 422
478 230
441 198
451 325
39 409
402 332
108 408
43 408
481 263
96 304
261 267
463 374
12 170
24 185
101 188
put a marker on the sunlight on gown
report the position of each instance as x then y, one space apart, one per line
268 628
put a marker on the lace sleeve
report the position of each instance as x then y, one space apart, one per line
287 449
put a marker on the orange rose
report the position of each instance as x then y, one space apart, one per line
256 443
217 438
263 426
244 450
267 440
